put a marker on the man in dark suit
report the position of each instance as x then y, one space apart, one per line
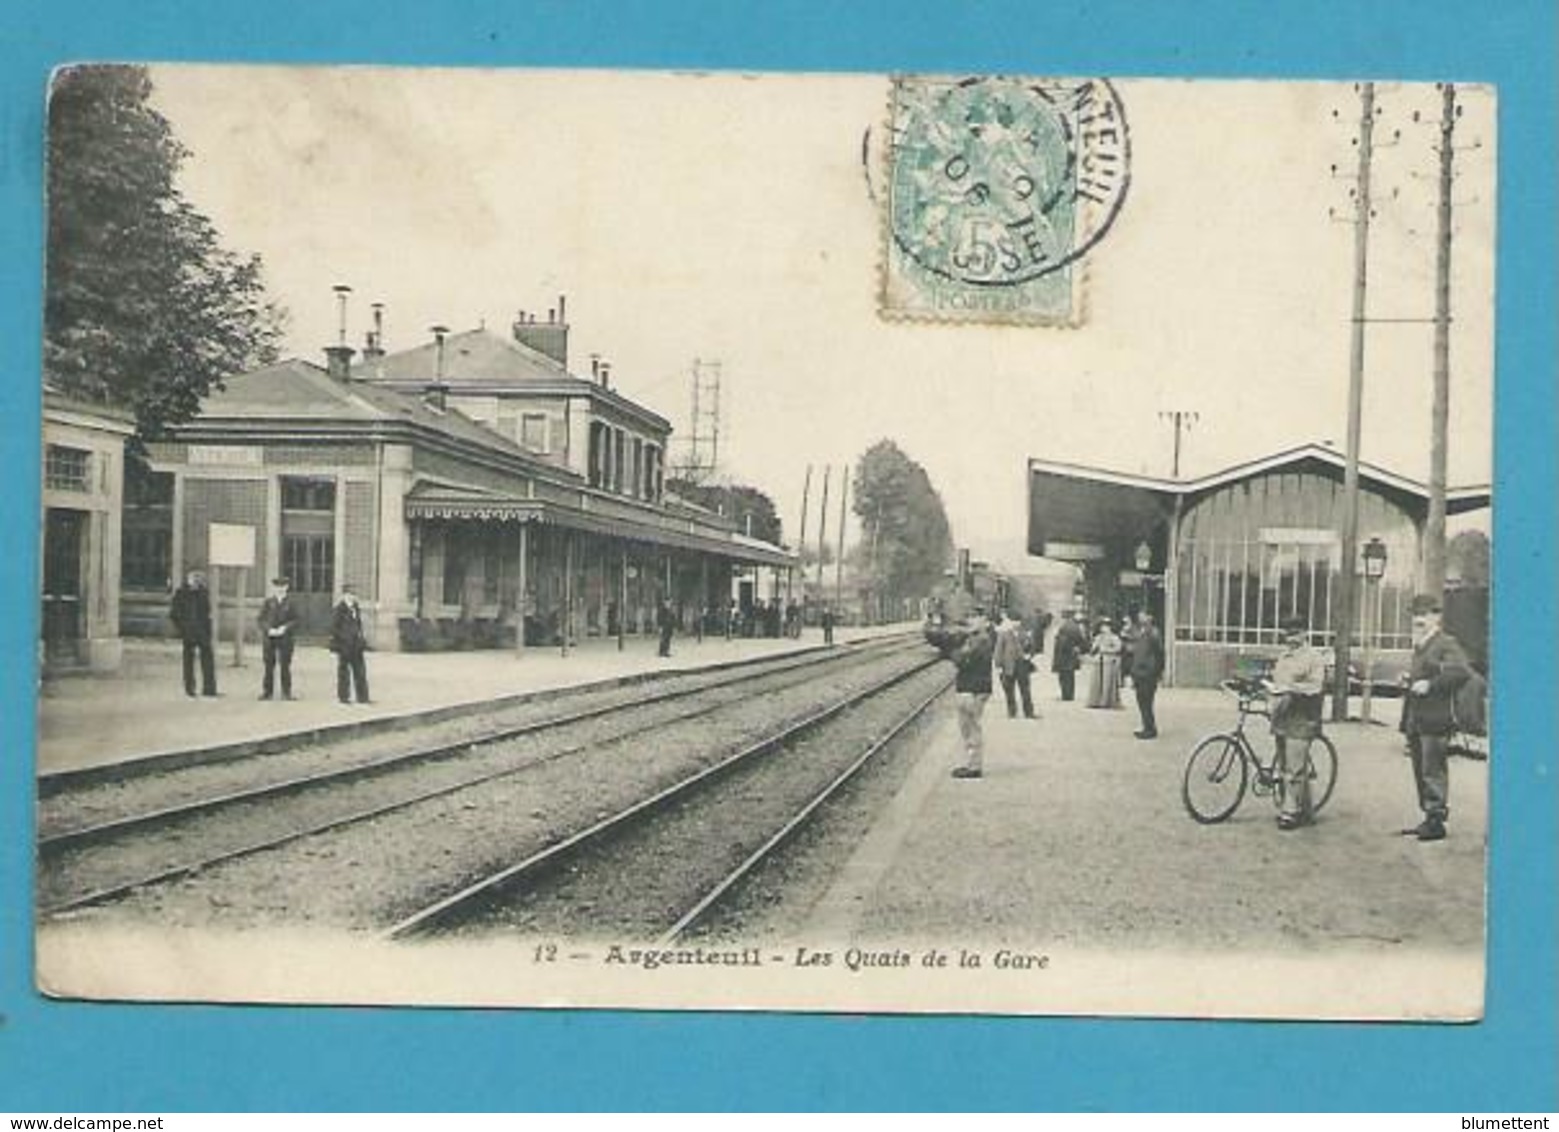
191 616
666 622
1066 654
1147 666
278 622
1439 667
350 645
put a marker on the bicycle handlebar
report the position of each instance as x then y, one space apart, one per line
1248 692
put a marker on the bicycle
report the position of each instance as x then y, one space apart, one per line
1221 765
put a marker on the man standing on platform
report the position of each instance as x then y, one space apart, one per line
191 616
1147 666
278 620
350 645
1439 668
828 624
1297 684
1066 654
1013 649
666 622
972 682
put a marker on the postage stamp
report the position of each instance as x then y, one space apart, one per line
997 190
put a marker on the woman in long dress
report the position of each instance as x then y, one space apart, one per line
1104 669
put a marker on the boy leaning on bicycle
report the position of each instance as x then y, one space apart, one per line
1296 686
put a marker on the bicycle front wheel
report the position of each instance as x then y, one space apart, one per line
1215 776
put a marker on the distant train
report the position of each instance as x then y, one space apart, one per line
1034 600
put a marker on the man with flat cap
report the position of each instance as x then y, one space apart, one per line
1296 686
349 643
278 622
1439 668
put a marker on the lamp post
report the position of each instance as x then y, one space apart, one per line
1374 571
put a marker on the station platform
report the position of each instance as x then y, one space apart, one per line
88 724
1077 835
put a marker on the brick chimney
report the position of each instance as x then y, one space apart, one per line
338 358
373 340
435 395
550 337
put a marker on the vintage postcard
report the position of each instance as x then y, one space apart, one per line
845 543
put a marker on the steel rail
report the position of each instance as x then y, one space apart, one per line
54 843
479 892
189 868
789 829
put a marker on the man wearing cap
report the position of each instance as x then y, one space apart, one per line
278 620
972 683
1438 669
1147 667
191 616
349 644
1297 685
1066 654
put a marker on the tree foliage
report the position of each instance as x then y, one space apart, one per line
1467 558
143 306
906 540
737 502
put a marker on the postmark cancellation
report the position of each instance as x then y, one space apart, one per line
997 191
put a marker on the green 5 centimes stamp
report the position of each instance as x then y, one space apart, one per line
997 188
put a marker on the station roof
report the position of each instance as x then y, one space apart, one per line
1075 503
482 362
429 500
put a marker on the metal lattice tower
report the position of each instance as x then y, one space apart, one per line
702 454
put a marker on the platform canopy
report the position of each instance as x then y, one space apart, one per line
1074 510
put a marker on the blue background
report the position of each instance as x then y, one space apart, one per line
71 1056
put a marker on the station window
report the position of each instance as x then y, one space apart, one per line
533 432
67 469
308 561
304 493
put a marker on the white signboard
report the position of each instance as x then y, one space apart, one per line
231 545
226 455
1304 536
1074 551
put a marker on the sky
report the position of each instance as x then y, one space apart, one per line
730 217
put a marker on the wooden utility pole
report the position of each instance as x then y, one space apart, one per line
1439 415
1347 581
1182 419
844 497
822 530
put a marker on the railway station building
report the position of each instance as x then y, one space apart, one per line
1222 559
83 495
472 490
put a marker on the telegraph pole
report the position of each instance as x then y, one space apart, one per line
1343 611
1439 416
1182 419
806 491
844 497
822 531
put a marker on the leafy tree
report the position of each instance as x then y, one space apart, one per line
143 307
1467 558
906 540
737 502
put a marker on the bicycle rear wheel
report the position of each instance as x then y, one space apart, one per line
1323 763
1215 777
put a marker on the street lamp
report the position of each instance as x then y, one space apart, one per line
1374 571
1144 557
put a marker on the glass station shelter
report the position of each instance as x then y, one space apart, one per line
1224 558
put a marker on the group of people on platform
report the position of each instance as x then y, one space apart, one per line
1136 654
1438 674
278 625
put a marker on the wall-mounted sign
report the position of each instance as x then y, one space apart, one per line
231 545
1307 536
227 455
1074 551
1130 578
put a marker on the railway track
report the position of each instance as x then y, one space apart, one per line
87 864
663 866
